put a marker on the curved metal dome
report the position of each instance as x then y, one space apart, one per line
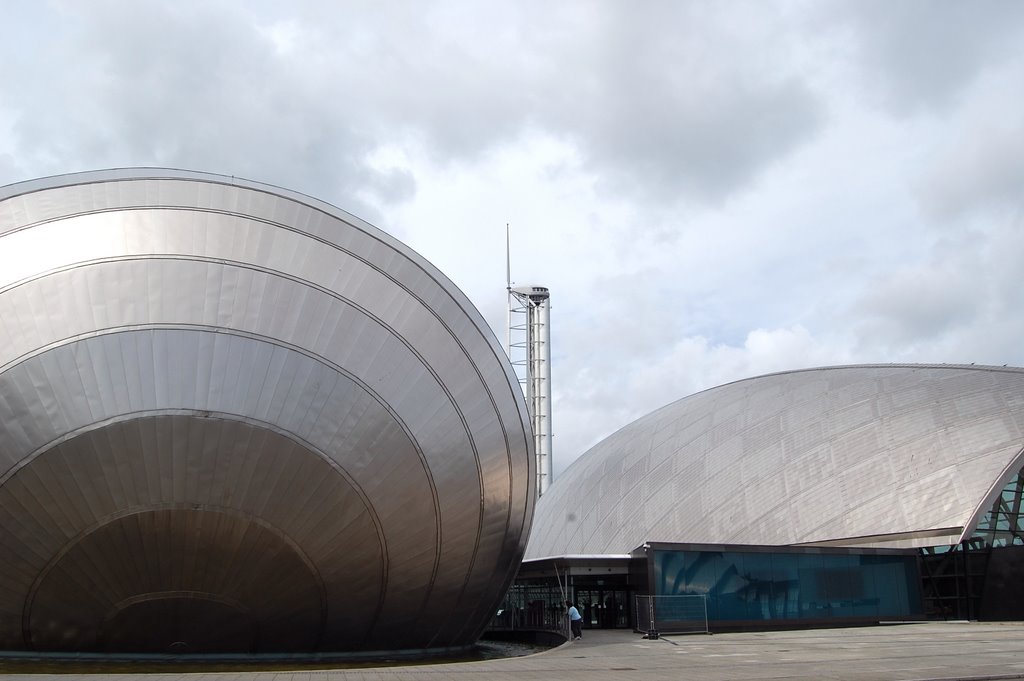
235 418
894 456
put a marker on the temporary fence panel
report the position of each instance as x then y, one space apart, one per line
672 614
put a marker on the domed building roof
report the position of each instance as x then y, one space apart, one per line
885 456
235 418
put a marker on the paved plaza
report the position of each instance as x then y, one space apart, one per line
909 652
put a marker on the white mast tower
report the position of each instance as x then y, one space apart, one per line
529 350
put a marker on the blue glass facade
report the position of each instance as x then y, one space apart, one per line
791 584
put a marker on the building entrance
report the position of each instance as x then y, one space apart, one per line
604 608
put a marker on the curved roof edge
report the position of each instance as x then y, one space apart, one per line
881 365
904 539
163 173
130 173
580 556
1011 471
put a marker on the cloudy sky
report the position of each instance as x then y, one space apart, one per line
711 190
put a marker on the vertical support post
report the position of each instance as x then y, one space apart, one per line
652 633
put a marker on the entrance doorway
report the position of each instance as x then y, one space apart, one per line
604 608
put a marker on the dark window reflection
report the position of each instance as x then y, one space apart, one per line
771 586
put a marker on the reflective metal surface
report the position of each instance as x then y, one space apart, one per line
894 456
235 418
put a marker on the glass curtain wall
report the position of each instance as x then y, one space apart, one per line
788 585
955 578
532 606
1003 525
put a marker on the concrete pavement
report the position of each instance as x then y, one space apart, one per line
910 652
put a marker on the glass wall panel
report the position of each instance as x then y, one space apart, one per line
844 585
732 588
874 583
785 586
813 598
778 585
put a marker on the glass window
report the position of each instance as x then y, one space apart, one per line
785 586
743 586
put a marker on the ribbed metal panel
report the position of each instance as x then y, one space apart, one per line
249 416
858 456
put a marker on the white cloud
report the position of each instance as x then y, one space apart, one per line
710 190
982 167
920 54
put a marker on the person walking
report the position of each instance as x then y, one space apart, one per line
575 621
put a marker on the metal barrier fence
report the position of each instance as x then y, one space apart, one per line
672 614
